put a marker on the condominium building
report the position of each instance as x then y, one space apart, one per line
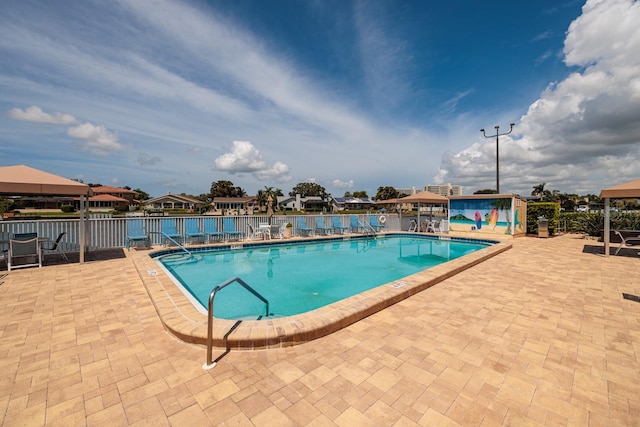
445 189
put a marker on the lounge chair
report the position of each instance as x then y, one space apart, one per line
135 233
413 225
24 249
192 230
373 222
355 224
169 231
55 246
627 241
229 229
321 227
338 228
211 229
301 227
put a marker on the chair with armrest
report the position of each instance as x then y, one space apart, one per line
301 227
211 230
229 229
338 228
627 240
321 227
136 233
170 231
24 249
55 246
192 230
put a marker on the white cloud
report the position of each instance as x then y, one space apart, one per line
584 129
342 184
35 114
95 139
244 157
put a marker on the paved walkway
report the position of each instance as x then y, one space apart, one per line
538 335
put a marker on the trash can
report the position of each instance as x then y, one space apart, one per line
543 227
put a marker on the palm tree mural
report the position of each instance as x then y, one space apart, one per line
504 205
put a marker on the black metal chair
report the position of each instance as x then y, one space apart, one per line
54 246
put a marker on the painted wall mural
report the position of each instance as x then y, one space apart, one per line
486 215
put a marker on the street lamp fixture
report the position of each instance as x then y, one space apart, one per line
498 135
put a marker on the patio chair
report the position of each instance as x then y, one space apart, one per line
321 227
373 222
55 246
24 249
413 225
169 231
355 224
301 227
211 230
229 229
627 241
338 228
136 233
255 233
281 230
192 230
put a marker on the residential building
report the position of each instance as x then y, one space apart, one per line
445 189
173 201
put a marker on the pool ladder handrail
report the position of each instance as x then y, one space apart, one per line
212 295
368 228
173 241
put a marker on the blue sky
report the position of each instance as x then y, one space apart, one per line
170 96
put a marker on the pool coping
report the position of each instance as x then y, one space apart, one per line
183 320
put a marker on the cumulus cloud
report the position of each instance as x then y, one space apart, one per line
244 157
36 115
342 184
582 127
95 139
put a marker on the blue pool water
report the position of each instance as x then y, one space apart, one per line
300 277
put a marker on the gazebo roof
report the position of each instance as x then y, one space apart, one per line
24 180
622 191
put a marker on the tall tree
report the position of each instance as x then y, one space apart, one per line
307 189
360 194
538 190
225 188
385 193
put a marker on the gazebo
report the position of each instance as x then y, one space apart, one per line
23 180
627 190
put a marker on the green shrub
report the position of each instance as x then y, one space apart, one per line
67 208
593 223
551 211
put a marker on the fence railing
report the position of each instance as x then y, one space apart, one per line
108 233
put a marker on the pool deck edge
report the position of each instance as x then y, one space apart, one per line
185 322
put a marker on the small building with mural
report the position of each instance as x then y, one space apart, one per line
488 214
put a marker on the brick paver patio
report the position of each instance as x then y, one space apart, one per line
538 336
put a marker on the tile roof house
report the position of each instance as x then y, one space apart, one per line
173 201
351 203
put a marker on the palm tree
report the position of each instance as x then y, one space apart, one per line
505 205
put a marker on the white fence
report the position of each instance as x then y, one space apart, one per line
107 233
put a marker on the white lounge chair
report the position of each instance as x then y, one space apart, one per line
627 241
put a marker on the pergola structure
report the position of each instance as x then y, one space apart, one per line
627 190
23 180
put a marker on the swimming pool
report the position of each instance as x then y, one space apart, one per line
180 317
300 277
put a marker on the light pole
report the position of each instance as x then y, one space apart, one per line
498 135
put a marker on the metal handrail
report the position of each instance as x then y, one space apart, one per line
210 363
368 228
172 241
